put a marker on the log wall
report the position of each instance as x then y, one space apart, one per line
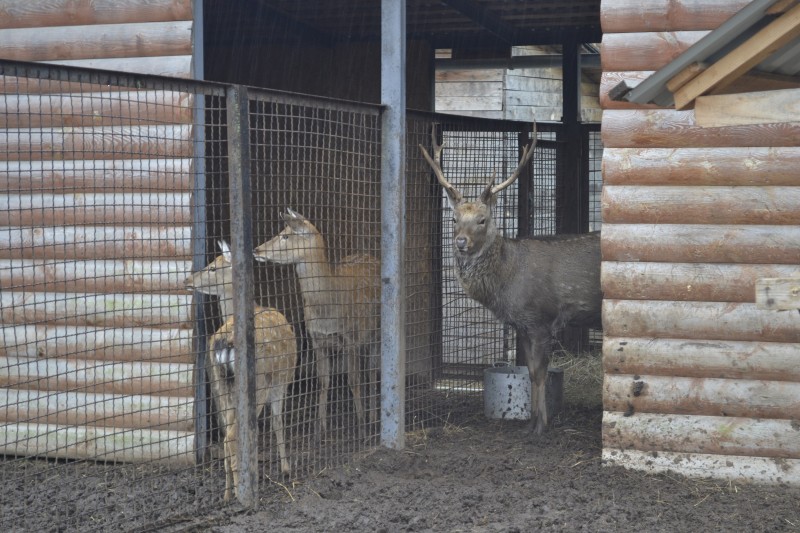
95 231
698 380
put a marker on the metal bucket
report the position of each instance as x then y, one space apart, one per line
507 392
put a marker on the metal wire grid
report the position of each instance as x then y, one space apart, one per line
595 156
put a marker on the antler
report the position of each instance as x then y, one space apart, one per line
436 164
527 153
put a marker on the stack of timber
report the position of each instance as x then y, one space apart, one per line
95 235
698 379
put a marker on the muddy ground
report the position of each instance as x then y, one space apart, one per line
480 475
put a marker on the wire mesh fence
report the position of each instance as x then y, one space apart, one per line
155 232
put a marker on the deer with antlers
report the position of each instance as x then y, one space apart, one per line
535 285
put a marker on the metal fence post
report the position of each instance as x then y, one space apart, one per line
242 251
393 235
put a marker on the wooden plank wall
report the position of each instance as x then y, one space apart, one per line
524 94
95 235
697 379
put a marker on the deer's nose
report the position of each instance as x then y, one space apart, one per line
461 243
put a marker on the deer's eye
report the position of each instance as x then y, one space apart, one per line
284 237
481 222
212 269
454 220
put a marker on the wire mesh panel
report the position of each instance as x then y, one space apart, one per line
595 164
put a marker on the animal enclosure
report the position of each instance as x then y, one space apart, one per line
116 188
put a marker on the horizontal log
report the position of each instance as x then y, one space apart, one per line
645 50
699 243
662 128
51 441
157 379
778 293
766 470
42 13
740 166
112 175
104 410
91 109
93 276
96 242
701 396
698 320
171 66
154 345
714 111
91 309
621 16
687 281
772 361
702 434
97 41
107 142
699 204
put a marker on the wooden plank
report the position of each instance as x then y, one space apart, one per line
91 309
645 50
108 142
687 281
747 55
173 38
622 16
490 74
695 358
748 108
95 208
778 294
104 410
94 276
96 242
728 467
746 166
51 441
661 128
698 320
171 66
781 6
157 345
113 175
686 75
43 13
468 103
701 396
702 434
469 89
698 204
701 243
158 379
95 109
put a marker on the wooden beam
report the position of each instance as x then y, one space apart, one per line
746 56
45 13
748 108
778 294
685 76
626 16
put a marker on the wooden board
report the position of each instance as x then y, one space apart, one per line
157 379
92 309
772 361
702 434
701 396
92 443
644 50
721 282
669 204
622 16
728 467
700 243
738 166
698 320
44 13
763 107
156 345
98 41
94 275
778 294
96 242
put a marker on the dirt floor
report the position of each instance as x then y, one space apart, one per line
481 475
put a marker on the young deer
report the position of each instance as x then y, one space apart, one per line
341 306
537 286
275 354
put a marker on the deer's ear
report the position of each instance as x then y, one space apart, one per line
489 198
295 220
226 250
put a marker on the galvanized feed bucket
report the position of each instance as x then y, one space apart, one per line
507 392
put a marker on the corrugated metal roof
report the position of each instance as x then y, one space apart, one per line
712 47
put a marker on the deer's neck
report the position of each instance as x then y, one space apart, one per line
319 289
226 307
479 273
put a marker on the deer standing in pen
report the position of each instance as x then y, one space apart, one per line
535 285
275 361
341 307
